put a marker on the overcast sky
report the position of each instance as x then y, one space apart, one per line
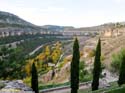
78 13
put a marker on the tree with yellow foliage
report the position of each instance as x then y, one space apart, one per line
42 60
56 52
28 67
47 51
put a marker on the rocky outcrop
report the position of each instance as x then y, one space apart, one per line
16 86
60 75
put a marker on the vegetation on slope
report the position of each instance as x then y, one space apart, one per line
49 55
11 64
11 39
116 61
13 59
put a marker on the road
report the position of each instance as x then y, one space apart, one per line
39 47
66 89
35 50
104 83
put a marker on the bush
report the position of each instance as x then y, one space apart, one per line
27 81
2 85
82 72
116 61
117 90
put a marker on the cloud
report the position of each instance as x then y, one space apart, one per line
118 1
52 9
53 13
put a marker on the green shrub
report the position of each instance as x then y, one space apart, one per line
2 85
82 71
27 81
117 90
116 61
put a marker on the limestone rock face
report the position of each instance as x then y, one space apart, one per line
103 83
60 75
16 86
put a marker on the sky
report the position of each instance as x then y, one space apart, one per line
77 13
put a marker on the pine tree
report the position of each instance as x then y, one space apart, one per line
34 79
97 67
75 67
122 71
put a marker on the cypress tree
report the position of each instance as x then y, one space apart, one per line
122 70
97 67
34 79
75 67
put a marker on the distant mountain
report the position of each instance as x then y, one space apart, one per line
13 22
8 18
57 28
93 28
99 27
53 27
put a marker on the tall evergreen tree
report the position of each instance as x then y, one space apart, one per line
97 67
122 70
34 79
75 67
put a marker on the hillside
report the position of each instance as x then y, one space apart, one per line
71 28
11 22
110 45
8 18
53 27
96 28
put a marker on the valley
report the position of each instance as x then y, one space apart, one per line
50 48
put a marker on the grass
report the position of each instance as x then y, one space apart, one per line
117 90
113 89
84 91
41 86
113 86
53 85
